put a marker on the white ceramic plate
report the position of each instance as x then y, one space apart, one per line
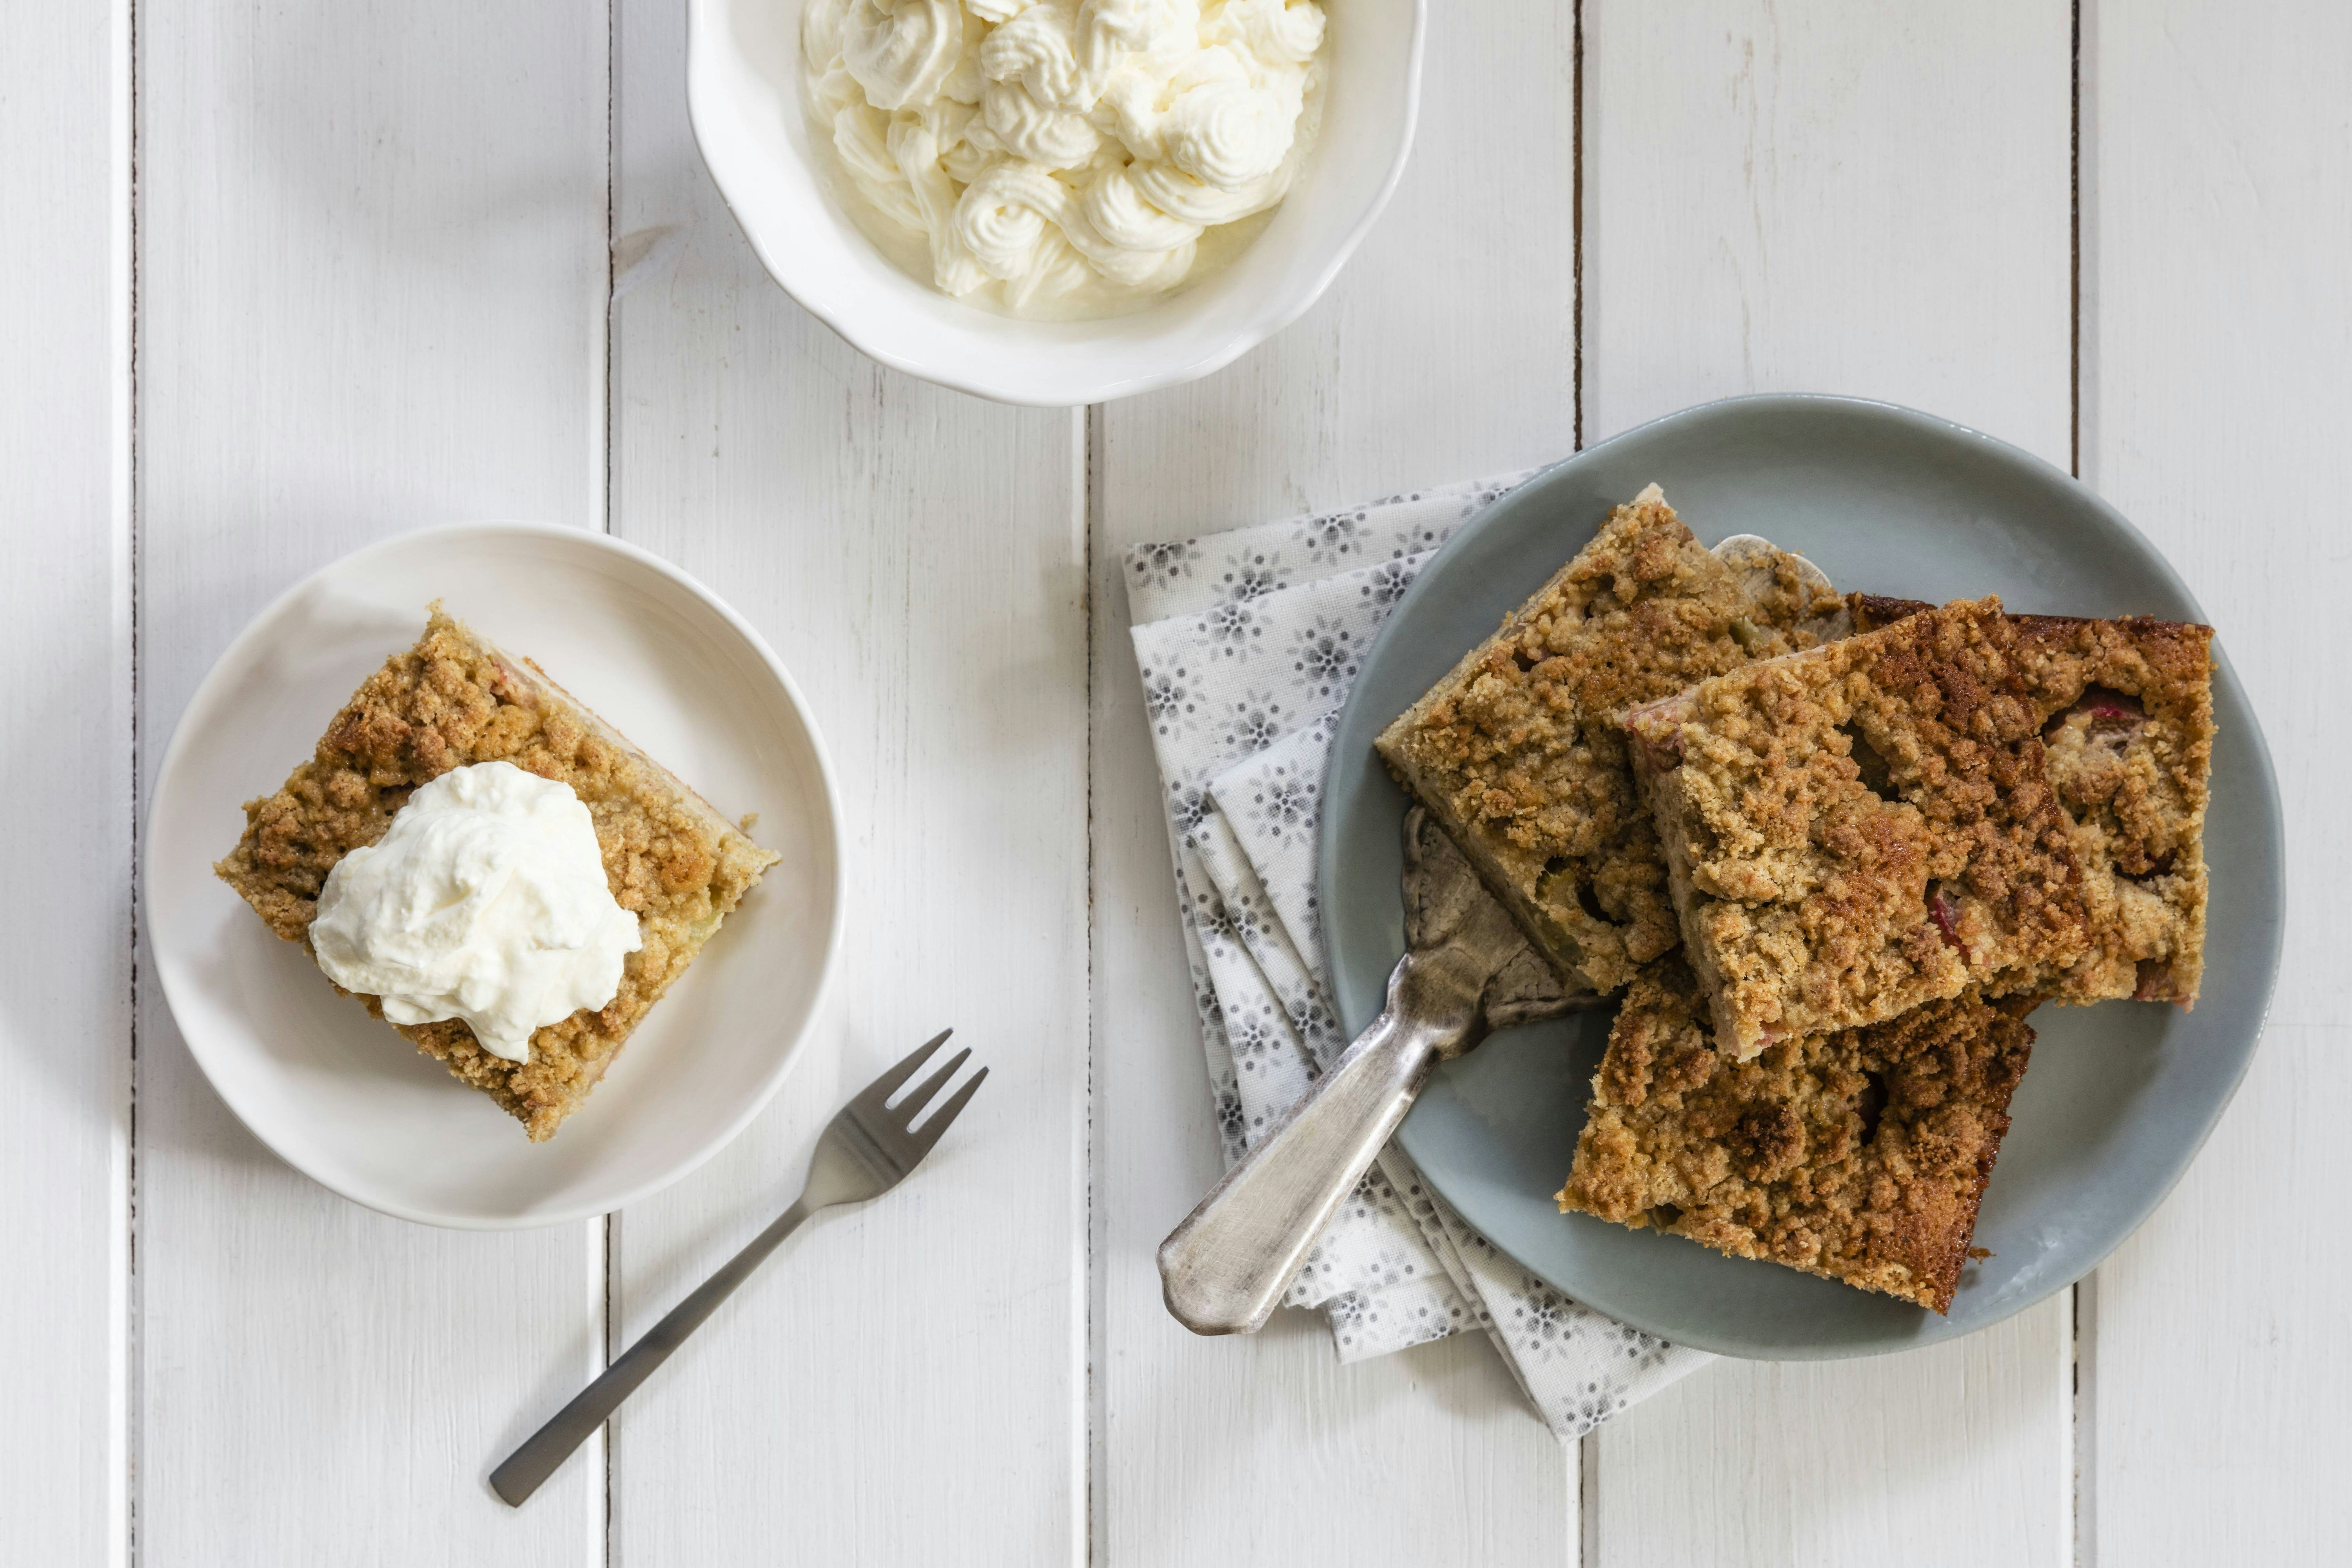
743 88
338 1095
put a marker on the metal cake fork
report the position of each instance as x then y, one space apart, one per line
869 1148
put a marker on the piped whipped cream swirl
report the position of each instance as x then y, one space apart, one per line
486 901
1065 148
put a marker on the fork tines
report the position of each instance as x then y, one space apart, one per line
875 1100
875 1093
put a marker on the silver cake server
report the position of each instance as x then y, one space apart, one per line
1467 971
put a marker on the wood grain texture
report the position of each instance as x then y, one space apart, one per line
1837 197
1263 1449
905 1382
2217 330
1953 1455
371 268
1445 350
1862 199
65 772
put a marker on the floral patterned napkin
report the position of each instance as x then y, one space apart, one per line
1248 642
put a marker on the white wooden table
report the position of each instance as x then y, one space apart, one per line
280 278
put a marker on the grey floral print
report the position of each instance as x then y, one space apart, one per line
1162 566
1167 697
1256 575
1253 1035
1184 577
1231 625
1332 537
1255 722
1231 1123
1386 583
1286 805
1324 655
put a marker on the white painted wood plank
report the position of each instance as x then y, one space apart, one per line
371 264
1259 1449
905 1382
1836 198
1864 199
1955 1454
1446 351
65 772
2217 155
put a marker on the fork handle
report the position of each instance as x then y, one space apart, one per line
524 1470
1223 1270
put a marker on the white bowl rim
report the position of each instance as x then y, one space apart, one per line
175 757
1100 389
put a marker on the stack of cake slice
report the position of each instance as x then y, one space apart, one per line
1856 832
1517 752
1880 851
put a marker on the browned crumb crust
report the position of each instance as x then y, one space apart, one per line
2127 709
1518 754
1861 1156
1861 828
453 701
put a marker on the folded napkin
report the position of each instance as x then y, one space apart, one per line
1248 642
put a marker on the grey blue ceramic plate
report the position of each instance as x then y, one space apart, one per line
2118 1097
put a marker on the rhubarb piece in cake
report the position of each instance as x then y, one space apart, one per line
1856 830
2126 710
1518 751
670 859
1860 1156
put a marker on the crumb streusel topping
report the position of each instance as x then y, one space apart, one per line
1859 829
1519 752
2128 737
1860 1156
451 700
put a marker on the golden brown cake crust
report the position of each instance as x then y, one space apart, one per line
1860 1155
1518 754
453 701
2127 709
1861 828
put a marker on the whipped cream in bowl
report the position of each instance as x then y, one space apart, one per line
486 901
1055 201
1062 158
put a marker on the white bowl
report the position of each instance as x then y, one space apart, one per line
338 1095
743 88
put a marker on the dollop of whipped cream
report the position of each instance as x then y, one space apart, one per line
484 901
1065 148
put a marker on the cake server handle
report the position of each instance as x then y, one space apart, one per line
1223 1270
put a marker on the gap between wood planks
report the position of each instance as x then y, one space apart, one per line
605 1237
126 1385
1087 438
1587 1490
2082 1326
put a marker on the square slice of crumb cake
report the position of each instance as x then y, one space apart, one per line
1860 1155
2127 709
1855 830
1518 751
453 699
